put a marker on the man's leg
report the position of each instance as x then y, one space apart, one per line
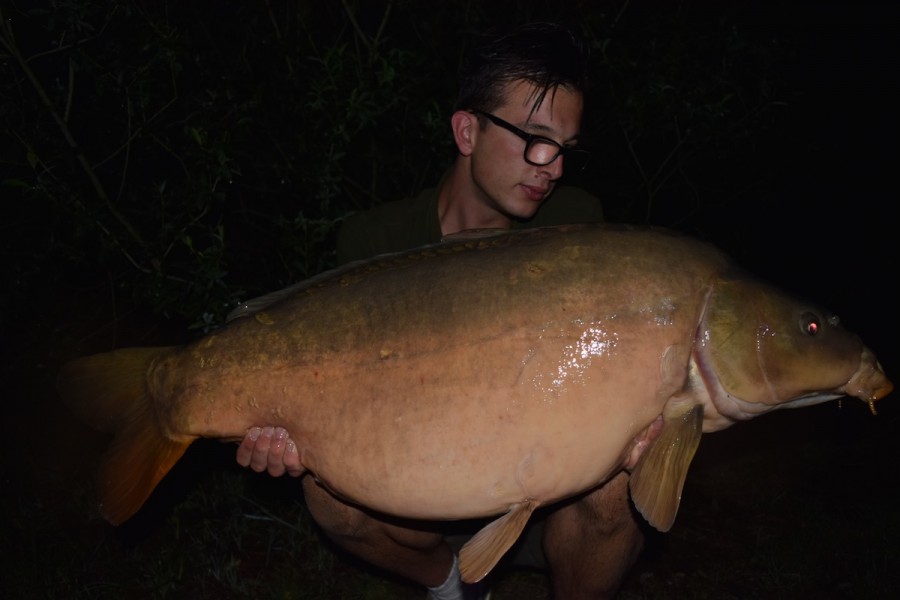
590 544
419 555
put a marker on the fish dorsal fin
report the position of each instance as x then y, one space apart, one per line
480 554
657 480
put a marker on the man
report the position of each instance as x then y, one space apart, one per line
516 126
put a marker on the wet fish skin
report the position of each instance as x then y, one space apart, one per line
483 376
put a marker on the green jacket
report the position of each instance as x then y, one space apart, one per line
413 222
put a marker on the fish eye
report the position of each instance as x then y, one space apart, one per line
810 324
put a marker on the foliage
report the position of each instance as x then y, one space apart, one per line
181 156
161 160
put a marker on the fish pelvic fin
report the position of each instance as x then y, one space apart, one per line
481 553
658 478
109 392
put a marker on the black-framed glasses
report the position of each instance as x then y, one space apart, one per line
539 150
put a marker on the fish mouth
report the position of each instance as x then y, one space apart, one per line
869 383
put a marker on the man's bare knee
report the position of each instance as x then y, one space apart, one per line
336 518
591 542
417 554
607 509
347 523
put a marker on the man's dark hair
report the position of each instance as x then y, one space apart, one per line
548 55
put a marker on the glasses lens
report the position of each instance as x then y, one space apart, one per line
576 160
541 151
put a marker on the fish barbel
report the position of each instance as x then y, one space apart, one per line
483 376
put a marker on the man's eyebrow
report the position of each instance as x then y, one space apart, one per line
532 127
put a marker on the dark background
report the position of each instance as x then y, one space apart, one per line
160 161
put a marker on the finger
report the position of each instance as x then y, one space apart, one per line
245 449
275 458
260 458
292 459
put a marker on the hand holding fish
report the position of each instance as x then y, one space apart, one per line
482 378
270 449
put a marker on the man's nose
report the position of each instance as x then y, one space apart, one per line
554 170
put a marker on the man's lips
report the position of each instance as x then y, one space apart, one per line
535 193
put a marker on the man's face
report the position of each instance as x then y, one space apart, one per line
511 185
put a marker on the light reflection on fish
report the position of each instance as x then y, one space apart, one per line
483 376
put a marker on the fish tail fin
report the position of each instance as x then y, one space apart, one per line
109 392
103 389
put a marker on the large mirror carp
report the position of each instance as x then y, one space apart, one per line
483 376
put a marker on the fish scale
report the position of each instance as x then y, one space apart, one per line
483 376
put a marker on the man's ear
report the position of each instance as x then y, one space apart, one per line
465 130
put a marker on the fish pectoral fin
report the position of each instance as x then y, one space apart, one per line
480 554
657 480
